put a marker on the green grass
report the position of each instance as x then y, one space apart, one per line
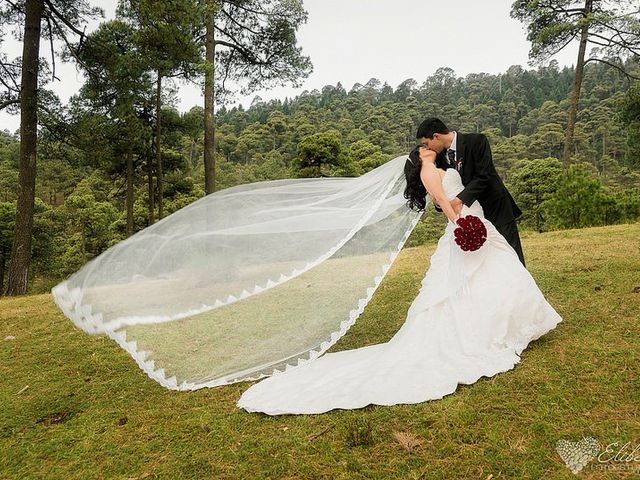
89 412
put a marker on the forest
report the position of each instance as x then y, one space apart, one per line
120 156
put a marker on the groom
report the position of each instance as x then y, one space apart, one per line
470 154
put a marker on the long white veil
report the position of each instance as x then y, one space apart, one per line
248 281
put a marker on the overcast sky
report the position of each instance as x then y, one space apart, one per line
351 41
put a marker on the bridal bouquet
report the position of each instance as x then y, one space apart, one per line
471 233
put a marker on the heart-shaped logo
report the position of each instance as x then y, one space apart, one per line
577 454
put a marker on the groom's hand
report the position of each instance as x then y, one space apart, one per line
457 204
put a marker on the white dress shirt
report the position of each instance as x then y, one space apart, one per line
453 146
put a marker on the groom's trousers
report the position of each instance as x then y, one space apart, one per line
510 232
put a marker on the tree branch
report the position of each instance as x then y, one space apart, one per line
625 15
597 43
226 71
16 87
231 45
611 41
246 53
238 23
14 6
571 38
72 50
64 20
6 103
53 58
613 28
570 12
617 67
8 87
246 9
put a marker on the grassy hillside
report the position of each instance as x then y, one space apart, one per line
78 407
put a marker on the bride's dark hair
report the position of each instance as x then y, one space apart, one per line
414 192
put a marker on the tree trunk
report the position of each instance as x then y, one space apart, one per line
18 275
129 192
152 194
209 126
2 265
158 151
577 85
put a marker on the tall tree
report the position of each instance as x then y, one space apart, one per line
251 43
209 97
165 33
121 92
534 181
59 16
612 27
630 115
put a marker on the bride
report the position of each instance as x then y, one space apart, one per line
475 313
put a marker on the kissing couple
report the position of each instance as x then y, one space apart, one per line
476 311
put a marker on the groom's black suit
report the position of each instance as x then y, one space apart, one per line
482 183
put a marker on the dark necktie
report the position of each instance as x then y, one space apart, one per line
451 155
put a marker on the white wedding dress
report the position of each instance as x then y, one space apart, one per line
451 336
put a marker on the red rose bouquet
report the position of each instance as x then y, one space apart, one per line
471 233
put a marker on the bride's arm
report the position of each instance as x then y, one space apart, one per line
433 183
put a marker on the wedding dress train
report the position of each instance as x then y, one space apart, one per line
475 313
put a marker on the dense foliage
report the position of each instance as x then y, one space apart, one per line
334 132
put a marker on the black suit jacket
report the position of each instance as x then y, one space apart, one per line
480 179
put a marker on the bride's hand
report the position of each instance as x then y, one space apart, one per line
457 205
453 220
426 154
